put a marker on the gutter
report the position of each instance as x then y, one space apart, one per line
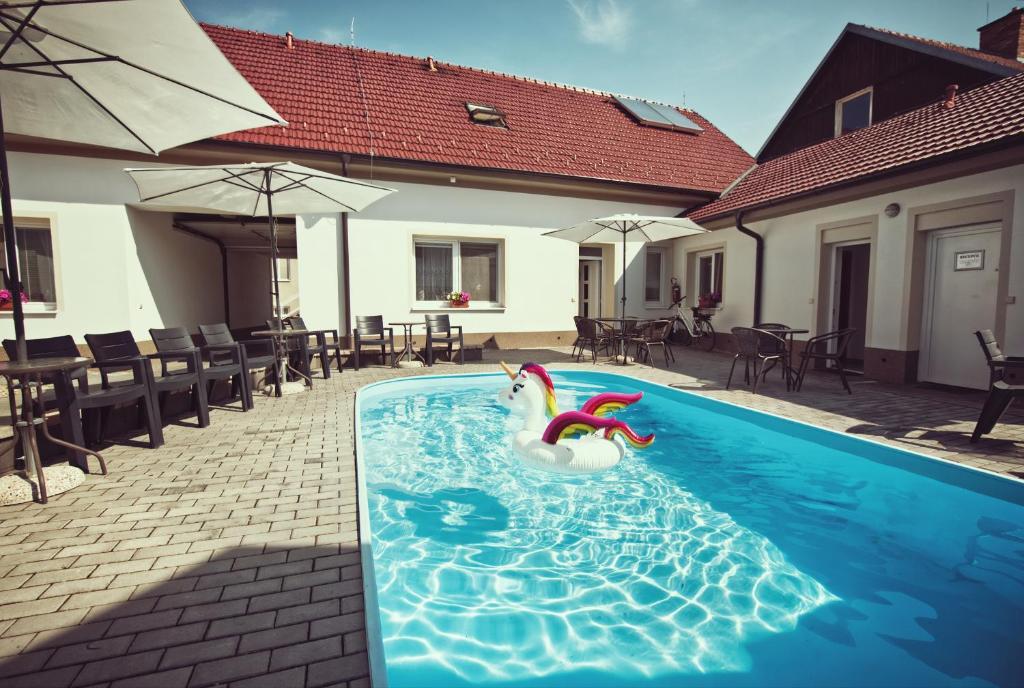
758 263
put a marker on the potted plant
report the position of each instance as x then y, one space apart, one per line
709 300
458 299
6 302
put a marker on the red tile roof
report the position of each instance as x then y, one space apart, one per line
990 113
953 47
419 115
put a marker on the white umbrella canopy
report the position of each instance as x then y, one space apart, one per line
136 75
628 228
255 188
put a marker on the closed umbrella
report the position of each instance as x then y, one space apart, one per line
256 189
632 228
136 75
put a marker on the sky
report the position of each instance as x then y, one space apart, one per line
740 63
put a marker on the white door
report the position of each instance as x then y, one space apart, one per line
961 284
590 288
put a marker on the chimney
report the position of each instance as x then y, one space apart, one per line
1004 36
431 65
288 40
950 102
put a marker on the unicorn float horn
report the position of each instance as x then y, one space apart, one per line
508 371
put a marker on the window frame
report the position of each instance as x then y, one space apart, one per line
662 251
456 246
500 120
285 276
838 121
40 222
717 264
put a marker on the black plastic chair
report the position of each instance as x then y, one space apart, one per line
593 335
256 354
999 364
758 347
83 405
440 331
817 349
370 332
324 348
224 361
655 333
1000 396
120 348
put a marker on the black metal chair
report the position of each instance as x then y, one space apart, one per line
999 364
758 347
817 349
83 405
370 332
120 348
593 335
770 344
654 333
324 348
440 331
224 361
256 354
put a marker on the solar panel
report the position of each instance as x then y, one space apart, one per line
658 115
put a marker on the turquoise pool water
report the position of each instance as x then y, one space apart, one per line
740 549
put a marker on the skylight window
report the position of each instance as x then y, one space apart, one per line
658 115
487 115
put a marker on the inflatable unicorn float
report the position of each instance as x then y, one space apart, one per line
581 441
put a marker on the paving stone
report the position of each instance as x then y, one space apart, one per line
339 668
290 678
241 624
175 678
89 651
118 667
308 612
230 669
188 655
168 637
336 625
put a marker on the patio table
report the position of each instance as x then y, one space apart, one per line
27 377
619 334
786 333
408 351
280 339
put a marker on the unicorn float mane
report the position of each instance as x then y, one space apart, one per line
550 403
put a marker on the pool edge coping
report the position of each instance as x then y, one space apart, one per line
374 637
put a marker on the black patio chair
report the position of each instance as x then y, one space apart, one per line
120 348
758 347
593 335
324 348
1000 395
256 354
999 364
81 404
770 344
224 361
440 331
370 332
817 349
654 333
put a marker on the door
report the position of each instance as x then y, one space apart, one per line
590 288
961 285
851 267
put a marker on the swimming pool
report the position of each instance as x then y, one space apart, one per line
740 549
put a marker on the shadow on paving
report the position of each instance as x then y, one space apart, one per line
247 617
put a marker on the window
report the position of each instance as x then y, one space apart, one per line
487 115
654 270
284 270
443 266
709 273
35 262
853 112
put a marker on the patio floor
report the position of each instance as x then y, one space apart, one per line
230 555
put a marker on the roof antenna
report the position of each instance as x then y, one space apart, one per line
352 32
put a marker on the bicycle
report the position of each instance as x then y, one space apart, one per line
694 330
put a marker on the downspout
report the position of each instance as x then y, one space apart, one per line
758 263
346 282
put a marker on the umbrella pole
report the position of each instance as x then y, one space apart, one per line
11 247
623 313
277 287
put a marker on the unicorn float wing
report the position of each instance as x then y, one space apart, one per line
572 442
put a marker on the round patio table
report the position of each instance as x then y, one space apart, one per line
619 334
408 351
27 377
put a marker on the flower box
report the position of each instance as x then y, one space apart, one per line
458 304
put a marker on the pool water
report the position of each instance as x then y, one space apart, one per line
740 549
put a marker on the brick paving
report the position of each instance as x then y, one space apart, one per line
230 555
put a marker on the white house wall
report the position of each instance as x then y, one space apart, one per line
540 277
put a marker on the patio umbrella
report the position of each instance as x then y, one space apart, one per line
136 75
257 189
633 228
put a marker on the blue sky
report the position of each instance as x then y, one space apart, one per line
737 62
